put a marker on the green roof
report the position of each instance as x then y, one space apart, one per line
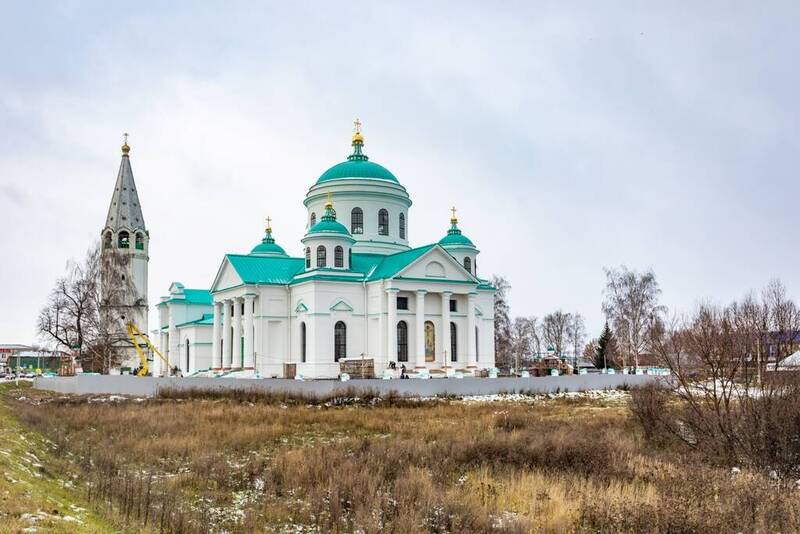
193 296
207 318
394 263
265 269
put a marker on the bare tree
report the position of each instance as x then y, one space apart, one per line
728 407
75 317
524 339
555 329
502 322
631 306
576 336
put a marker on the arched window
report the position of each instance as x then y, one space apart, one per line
338 256
402 226
139 241
402 341
339 341
468 264
187 356
453 343
476 344
107 240
321 259
303 342
349 258
313 220
383 222
308 257
124 240
356 221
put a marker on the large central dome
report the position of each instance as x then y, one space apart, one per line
357 165
357 168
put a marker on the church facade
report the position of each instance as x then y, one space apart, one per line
360 290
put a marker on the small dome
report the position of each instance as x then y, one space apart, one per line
328 223
454 237
268 247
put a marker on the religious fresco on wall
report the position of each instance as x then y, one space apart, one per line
430 342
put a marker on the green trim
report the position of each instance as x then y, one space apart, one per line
316 197
436 280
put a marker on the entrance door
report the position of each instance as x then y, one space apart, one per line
430 342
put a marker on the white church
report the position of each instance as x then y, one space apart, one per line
359 291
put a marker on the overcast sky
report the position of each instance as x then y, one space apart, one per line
569 137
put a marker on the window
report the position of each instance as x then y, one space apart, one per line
186 369
338 257
453 306
453 342
349 258
139 242
402 303
308 257
303 342
339 341
313 219
383 222
321 259
123 240
356 221
402 226
402 341
468 264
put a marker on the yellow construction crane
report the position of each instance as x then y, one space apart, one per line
136 335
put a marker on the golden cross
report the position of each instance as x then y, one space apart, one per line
357 124
125 135
330 198
269 224
453 209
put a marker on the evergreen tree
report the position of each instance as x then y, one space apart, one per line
604 355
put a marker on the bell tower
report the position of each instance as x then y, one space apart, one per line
125 244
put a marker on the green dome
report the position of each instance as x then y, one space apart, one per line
328 224
271 249
357 166
268 247
454 237
328 227
357 169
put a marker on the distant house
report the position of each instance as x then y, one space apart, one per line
8 352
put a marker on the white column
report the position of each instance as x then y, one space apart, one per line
391 327
419 337
249 355
172 343
446 327
236 362
216 354
226 334
471 359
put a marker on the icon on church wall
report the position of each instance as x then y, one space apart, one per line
430 342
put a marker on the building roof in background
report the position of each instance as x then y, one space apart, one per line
125 210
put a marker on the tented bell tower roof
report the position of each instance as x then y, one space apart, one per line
125 210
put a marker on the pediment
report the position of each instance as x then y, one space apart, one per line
227 277
436 264
301 307
342 306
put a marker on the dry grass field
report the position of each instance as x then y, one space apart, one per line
247 463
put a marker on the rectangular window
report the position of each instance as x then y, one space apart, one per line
453 305
402 303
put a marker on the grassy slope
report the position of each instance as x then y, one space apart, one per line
29 486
